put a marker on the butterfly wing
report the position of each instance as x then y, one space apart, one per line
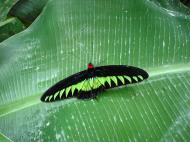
66 88
82 85
117 75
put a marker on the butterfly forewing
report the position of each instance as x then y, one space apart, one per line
120 75
66 88
84 89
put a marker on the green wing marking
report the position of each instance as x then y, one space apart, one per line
139 76
86 86
96 83
73 88
67 91
46 98
56 94
79 85
91 83
114 79
102 80
108 80
135 78
121 78
128 78
61 93
50 97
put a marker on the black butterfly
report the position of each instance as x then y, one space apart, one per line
88 83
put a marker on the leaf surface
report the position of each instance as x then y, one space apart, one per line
153 35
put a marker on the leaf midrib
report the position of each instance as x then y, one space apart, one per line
35 99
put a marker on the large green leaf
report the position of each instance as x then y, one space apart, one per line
153 35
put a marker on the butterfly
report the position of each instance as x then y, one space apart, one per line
90 82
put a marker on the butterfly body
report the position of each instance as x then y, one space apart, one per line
89 83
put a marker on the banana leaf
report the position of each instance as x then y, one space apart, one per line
150 34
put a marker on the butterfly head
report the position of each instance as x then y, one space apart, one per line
90 66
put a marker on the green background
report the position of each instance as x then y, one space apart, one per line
150 34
